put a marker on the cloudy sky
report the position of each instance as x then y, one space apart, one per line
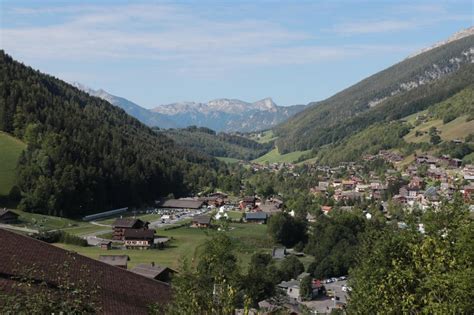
162 52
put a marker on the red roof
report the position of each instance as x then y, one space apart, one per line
121 291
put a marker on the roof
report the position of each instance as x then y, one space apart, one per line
114 260
5 211
128 223
256 215
121 291
203 219
278 252
139 234
181 203
149 270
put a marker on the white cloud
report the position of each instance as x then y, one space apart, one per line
173 34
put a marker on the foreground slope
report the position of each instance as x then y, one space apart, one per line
84 154
325 122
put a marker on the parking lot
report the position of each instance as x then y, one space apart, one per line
324 305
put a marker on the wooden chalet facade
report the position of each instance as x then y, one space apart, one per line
201 222
139 238
122 225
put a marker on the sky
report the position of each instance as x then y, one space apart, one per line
155 53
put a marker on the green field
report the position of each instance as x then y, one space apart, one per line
10 150
275 157
264 137
458 128
227 160
186 243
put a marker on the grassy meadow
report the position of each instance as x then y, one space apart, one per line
10 151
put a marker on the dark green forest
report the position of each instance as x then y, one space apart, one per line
348 111
218 144
85 155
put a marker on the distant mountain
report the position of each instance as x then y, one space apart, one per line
407 87
135 110
227 115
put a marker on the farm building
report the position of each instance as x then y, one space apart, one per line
7 216
201 221
185 204
115 260
153 271
256 217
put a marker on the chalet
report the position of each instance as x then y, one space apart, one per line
115 260
247 203
348 184
468 192
106 245
121 225
326 209
139 238
201 221
183 204
256 217
8 217
121 292
153 271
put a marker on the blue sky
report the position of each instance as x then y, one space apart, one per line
163 52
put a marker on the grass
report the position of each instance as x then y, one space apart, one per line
458 128
227 160
263 137
187 243
10 149
275 157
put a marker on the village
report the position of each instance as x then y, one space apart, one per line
135 239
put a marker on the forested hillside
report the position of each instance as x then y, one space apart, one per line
218 144
83 154
451 119
405 88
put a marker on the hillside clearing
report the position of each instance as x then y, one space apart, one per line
458 128
10 149
275 157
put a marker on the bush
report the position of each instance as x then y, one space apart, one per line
60 237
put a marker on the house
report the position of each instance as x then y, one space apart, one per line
326 209
202 221
138 238
256 217
153 271
278 252
115 260
247 202
8 216
184 204
106 245
121 292
123 224
292 289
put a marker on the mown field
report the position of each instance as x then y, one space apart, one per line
10 150
187 243
458 128
275 157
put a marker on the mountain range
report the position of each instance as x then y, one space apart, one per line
228 115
